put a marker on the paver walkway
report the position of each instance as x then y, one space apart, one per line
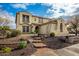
44 52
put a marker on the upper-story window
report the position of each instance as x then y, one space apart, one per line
35 19
40 20
25 18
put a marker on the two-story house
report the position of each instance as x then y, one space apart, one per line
26 22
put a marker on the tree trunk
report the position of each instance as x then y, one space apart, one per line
76 32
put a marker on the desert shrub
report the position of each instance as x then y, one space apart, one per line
2 34
15 33
1 27
6 50
8 34
52 34
22 43
4 28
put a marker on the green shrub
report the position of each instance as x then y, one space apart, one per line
8 34
31 33
15 33
3 34
22 43
1 27
36 31
12 33
52 34
4 28
6 50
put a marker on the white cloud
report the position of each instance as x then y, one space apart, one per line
59 1
22 5
8 15
69 9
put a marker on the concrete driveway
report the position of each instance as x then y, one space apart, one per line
67 51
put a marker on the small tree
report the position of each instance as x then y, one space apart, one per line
75 24
69 29
3 30
4 21
4 26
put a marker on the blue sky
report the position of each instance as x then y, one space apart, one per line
36 9
49 10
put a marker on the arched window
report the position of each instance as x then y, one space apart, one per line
61 27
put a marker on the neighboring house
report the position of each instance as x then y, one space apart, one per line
26 22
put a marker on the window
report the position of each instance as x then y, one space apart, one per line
35 19
55 26
40 20
61 27
25 28
25 18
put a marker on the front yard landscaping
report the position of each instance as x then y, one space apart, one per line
12 42
16 47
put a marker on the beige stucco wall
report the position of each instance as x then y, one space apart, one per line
33 28
19 27
65 32
20 22
33 20
45 20
37 20
47 28
43 29
23 13
50 27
